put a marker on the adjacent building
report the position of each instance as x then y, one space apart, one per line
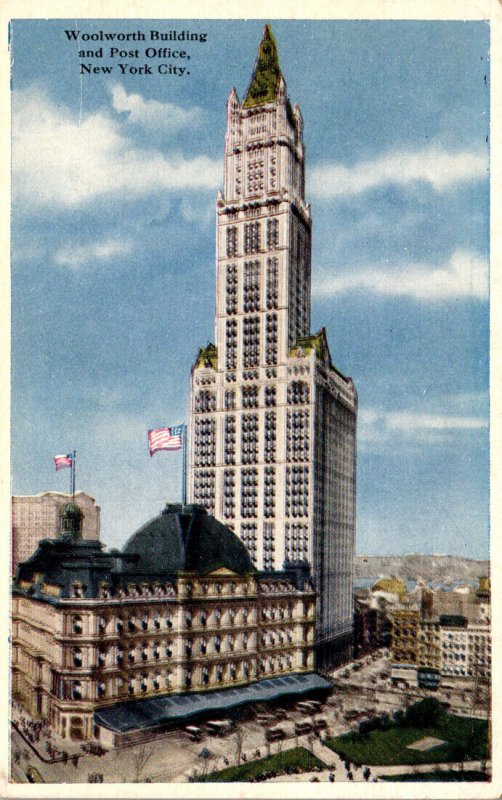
442 636
38 516
272 420
104 643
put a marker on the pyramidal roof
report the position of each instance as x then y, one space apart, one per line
267 73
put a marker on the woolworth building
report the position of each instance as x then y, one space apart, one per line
272 421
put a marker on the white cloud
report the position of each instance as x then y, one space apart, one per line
380 426
72 255
59 160
464 275
435 166
405 421
152 113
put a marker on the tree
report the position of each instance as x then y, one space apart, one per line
425 713
140 758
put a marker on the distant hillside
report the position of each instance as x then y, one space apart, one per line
413 566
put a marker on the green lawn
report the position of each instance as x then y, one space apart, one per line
464 737
297 757
446 776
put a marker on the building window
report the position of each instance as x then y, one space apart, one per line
272 283
249 439
77 625
231 344
205 402
230 400
270 395
271 340
251 342
204 489
270 436
272 233
249 537
255 171
232 245
231 294
297 435
229 440
76 690
297 487
298 392
205 442
296 541
77 657
269 492
251 298
252 238
250 395
268 545
228 493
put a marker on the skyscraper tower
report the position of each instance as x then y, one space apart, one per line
272 421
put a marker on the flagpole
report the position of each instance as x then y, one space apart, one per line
73 468
184 467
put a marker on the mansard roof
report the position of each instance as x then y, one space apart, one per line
183 538
187 538
267 75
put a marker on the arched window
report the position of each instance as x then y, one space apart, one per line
77 625
76 690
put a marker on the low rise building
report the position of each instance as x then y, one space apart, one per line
442 636
180 610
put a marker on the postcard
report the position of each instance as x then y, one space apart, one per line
252 285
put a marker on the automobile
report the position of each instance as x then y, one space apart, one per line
194 733
275 734
304 726
219 727
34 775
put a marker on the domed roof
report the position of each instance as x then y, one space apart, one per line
71 510
392 585
186 537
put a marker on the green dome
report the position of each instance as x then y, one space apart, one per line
71 519
71 510
187 538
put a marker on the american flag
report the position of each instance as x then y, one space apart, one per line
165 439
63 461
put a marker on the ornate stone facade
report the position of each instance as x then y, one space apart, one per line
272 421
92 629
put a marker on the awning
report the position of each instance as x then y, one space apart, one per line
136 714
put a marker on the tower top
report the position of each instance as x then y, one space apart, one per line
267 75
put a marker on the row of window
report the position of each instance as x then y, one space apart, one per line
297 392
251 295
252 237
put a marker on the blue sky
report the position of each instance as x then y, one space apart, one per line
114 185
